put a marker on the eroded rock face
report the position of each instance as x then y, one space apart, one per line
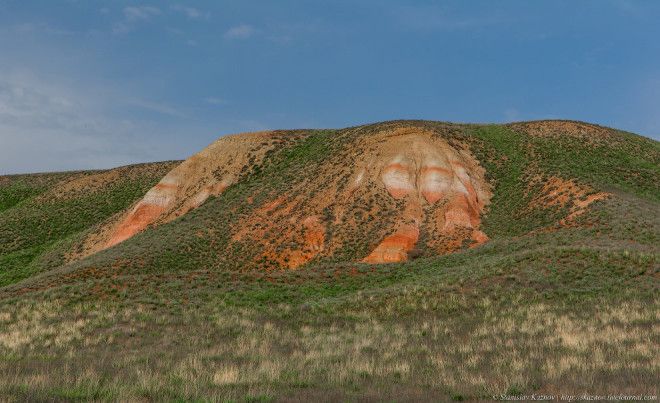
395 247
422 170
397 177
558 192
422 183
154 204
187 186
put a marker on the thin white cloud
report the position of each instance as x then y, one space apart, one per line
287 33
215 101
628 7
46 126
30 28
191 12
436 18
140 13
134 15
121 28
157 107
242 31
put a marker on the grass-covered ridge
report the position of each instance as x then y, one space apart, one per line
546 306
38 221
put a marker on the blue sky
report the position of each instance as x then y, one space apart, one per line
96 84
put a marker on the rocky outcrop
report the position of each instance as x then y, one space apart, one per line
431 184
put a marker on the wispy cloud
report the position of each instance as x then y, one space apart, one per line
628 7
28 28
289 32
141 13
242 31
436 18
45 126
215 101
191 12
157 107
134 15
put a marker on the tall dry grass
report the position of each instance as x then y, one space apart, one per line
132 354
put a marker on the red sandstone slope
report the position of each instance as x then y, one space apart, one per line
189 185
423 170
429 182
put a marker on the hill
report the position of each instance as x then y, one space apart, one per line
406 260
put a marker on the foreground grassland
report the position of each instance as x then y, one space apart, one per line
542 308
244 355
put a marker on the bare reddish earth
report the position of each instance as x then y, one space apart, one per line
424 170
395 247
389 186
147 211
186 187
560 192
433 184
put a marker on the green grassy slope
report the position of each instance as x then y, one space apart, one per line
38 223
541 308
